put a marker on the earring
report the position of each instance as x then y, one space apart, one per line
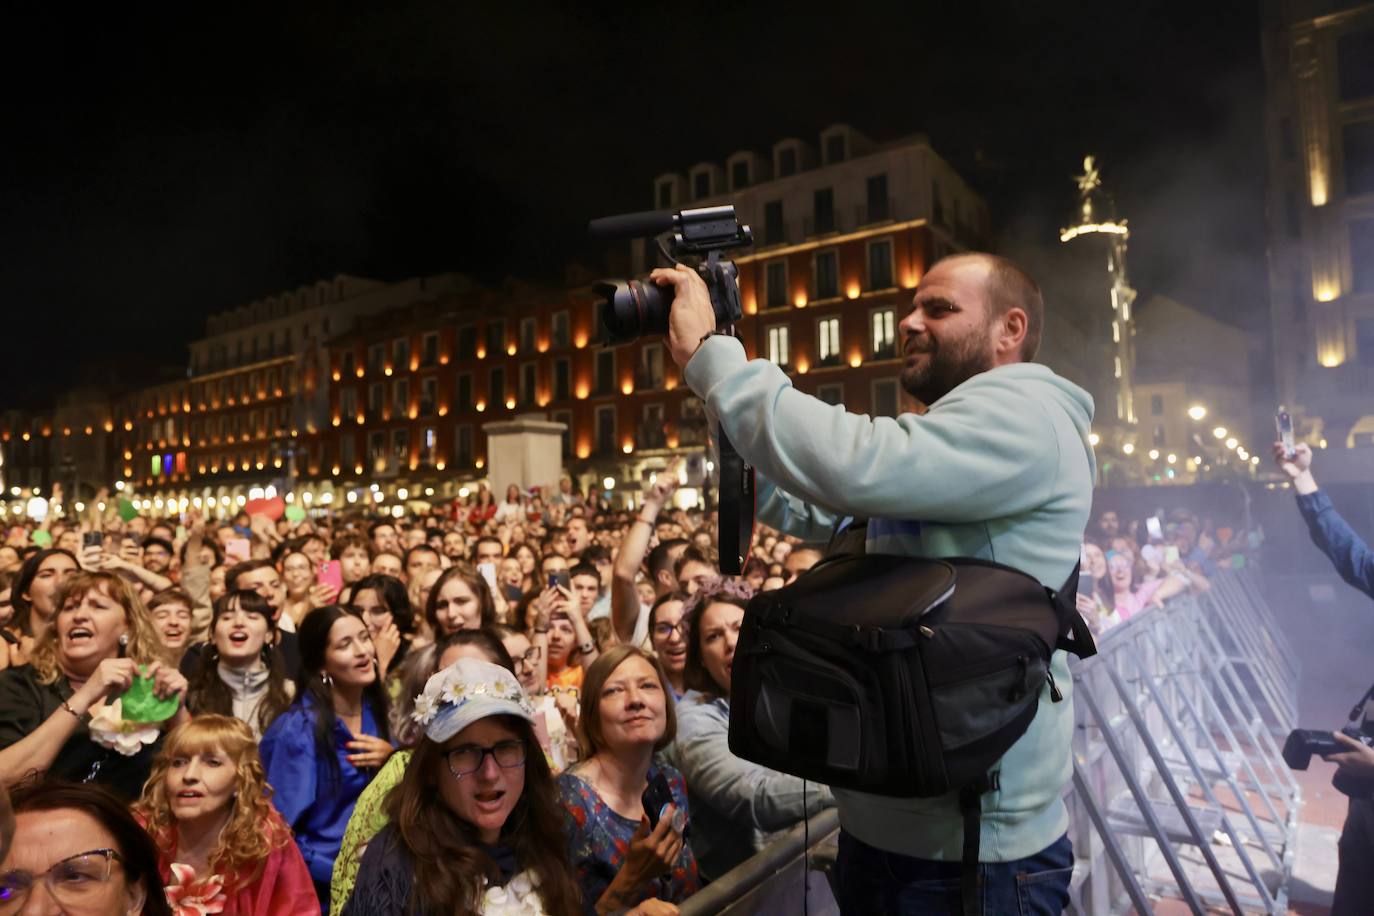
267 653
325 679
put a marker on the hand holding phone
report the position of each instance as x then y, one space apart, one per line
1283 420
330 575
237 550
1155 528
560 579
488 572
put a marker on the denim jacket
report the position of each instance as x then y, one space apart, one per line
1343 547
735 804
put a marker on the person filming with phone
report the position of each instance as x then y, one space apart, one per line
1354 562
998 467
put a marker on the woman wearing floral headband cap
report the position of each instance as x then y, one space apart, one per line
475 823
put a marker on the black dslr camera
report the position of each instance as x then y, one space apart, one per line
1303 743
639 308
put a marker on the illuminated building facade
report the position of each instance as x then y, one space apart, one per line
1319 60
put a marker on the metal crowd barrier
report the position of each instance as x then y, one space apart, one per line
1178 786
1179 789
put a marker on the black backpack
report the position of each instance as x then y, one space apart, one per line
901 676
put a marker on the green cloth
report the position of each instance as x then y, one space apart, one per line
295 513
126 510
140 704
367 820
42 538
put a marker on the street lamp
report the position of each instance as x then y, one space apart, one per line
1197 412
1154 454
1128 448
1219 432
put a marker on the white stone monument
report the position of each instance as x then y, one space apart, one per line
527 451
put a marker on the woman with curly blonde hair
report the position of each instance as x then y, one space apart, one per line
208 808
91 703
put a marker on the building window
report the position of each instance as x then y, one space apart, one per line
429 396
528 327
650 367
823 201
831 394
529 384
561 336
605 430
605 371
778 350
882 324
652 431
701 184
400 353
1156 405
835 149
787 161
565 417
775 281
1364 341
828 341
827 274
467 343
739 175
1355 65
496 393
376 356
464 392
348 402
346 456
1358 150
376 397
880 264
400 449
429 349
665 194
428 446
562 379
885 403
773 233
376 451
1157 435
879 207
462 446
496 338
400 396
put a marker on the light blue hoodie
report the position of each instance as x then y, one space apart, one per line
1000 468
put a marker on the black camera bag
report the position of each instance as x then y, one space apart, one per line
900 676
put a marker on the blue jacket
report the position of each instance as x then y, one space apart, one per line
313 802
1000 469
1333 537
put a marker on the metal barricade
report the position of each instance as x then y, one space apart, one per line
1178 787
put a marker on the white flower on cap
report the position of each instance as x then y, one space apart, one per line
466 691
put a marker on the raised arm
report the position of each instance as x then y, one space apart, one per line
630 558
1333 536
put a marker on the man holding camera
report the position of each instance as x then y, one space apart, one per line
998 468
1354 563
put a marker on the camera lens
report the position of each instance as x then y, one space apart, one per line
634 309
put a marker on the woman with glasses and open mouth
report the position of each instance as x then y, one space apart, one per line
475 821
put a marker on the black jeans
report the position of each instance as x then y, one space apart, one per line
870 881
1355 874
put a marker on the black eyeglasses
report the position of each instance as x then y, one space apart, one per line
530 658
666 630
468 758
79 882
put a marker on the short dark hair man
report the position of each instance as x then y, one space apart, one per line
999 466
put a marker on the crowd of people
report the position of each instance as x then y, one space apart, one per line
459 710
1131 567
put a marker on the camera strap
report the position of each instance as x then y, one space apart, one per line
735 508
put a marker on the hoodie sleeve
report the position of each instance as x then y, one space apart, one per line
988 450
781 510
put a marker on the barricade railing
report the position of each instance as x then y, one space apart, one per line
1178 787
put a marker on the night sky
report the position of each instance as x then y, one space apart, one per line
161 166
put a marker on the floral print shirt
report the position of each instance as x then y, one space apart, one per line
599 838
